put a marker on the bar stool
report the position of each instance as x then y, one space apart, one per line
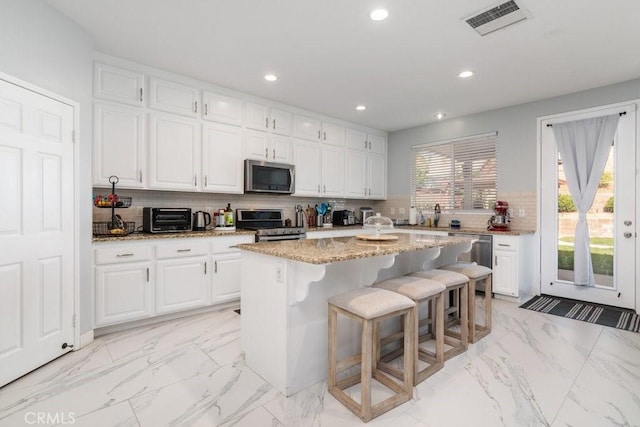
369 306
458 284
420 291
482 275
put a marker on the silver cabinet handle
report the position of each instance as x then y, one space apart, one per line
195 180
147 274
206 180
318 188
274 154
184 250
266 153
215 267
205 268
365 144
206 109
140 176
318 133
274 124
365 191
140 94
324 189
195 106
495 260
325 136
369 145
266 122
124 255
504 244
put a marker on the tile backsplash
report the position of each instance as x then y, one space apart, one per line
212 202
397 207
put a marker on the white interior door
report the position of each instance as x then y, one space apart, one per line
36 230
612 234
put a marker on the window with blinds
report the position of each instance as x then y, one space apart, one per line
456 174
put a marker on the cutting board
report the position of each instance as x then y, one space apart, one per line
377 238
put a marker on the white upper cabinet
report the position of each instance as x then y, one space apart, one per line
307 159
221 108
118 84
272 148
222 166
366 165
358 140
174 152
119 145
377 177
332 171
173 97
263 118
356 184
306 128
315 130
377 144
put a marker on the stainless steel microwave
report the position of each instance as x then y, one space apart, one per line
267 177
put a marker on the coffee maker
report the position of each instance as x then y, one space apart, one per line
499 221
365 212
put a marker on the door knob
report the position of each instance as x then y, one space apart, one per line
627 235
627 223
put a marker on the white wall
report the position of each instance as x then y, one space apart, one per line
43 47
516 128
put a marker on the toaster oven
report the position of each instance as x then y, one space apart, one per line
166 220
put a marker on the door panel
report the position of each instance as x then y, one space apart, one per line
616 288
36 230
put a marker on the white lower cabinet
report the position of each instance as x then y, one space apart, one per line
512 275
182 284
142 279
124 288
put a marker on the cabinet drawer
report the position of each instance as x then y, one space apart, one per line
117 254
225 243
182 249
505 243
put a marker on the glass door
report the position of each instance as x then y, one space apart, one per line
611 219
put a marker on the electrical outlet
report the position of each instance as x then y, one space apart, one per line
401 211
392 211
521 213
139 210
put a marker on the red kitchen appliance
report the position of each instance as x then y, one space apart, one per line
500 220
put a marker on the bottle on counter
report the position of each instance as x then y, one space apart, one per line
228 216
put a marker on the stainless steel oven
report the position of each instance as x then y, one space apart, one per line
481 250
268 225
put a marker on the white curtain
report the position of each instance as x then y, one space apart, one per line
584 147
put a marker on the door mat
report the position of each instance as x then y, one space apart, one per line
605 315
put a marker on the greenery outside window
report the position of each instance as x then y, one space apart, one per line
456 174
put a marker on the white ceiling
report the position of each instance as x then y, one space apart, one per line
329 56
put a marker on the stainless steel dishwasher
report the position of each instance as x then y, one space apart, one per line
481 250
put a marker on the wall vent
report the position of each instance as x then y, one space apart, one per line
497 17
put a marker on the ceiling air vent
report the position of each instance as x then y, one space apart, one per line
497 17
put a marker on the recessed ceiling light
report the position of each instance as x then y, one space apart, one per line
271 77
379 15
361 107
439 116
465 74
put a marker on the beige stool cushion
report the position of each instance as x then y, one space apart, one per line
413 287
447 278
369 303
471 270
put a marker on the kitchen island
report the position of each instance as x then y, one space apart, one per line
286 285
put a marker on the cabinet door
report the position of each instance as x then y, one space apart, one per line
280 149
306 158
222 165
333 134
505 280
257 116
256 145
181 284
377 177
174 151
306 128
221 108
119 142
225 285
356 140
173 97
356 174
118 84
123 292
280 122
377 144
332 171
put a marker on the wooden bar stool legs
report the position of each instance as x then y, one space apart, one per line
423 292
478 275
369 306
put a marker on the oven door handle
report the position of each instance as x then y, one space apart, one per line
280 237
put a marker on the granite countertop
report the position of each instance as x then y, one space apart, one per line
428 229
217 232
325 251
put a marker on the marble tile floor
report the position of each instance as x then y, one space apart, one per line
534 369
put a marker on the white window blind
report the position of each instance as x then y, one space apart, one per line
456 174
